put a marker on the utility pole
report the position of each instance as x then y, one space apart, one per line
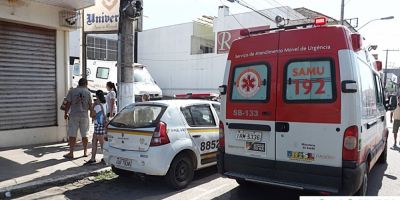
83 62
387 55
129 11
342 13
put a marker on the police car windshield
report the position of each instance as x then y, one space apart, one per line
138 116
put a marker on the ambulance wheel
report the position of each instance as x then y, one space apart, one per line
364 185
383 158
180 173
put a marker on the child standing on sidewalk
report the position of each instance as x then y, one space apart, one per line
100 121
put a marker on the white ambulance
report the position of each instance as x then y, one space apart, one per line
99 72
303 108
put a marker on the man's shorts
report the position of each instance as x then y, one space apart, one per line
396 125
99 129
75 123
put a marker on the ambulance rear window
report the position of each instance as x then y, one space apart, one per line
309 81
250 83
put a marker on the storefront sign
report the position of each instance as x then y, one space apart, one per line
103 17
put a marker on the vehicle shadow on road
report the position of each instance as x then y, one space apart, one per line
376 178
134 188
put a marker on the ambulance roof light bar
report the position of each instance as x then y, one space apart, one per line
320 21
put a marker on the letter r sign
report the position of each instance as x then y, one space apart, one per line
224 41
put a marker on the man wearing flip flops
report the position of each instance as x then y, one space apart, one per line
79 102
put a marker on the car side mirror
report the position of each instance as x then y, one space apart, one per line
391 103
222 89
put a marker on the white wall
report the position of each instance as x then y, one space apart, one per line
43 16
166 52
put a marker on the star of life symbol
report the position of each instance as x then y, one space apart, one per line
248 83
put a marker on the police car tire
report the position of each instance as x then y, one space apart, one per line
180 172
383 157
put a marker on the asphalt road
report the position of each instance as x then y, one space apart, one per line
207 184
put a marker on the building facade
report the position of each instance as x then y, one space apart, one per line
34 55
191 57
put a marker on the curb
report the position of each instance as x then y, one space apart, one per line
31 187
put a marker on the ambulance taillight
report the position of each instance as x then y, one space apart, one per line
356 41
350 144
221 135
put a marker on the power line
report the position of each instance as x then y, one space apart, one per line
232 15
347 2
247 5
279 7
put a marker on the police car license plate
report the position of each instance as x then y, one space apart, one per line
124 162
249 136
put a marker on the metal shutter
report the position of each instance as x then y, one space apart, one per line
27 77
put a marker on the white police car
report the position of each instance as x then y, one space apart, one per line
170 138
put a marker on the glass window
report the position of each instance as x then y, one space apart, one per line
102 72
143 76
217 108
310 80
250 83
198 116
111 55
368 91
138 116
90 53
90 41
379 92
112 45
77 69
103 54
188 116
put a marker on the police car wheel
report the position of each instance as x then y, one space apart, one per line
180 172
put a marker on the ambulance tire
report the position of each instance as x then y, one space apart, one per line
383 158
181 172
364 185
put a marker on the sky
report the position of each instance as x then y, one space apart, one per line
384 33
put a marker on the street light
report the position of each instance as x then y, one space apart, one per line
383 18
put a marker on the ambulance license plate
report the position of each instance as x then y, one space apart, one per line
249 136
124 162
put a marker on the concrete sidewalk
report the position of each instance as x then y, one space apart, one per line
28 168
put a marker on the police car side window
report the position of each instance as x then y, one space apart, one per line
198 116
188 116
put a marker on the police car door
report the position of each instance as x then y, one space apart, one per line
203 130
